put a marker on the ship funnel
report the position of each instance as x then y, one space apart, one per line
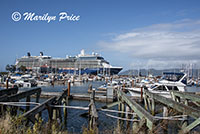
28 54
41 53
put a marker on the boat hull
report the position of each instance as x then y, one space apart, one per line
94 71
136 92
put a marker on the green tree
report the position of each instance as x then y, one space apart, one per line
8 67
22 68
11 68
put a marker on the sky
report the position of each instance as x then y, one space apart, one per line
128 33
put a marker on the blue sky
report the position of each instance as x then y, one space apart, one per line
127 33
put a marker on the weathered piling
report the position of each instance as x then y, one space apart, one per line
90 88
109 94
65 103
132 83
93 115
68 88
141 93
28 99
63 99
7 80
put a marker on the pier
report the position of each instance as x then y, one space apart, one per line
145 114
102 96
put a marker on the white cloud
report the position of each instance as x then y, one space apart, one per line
161 43
126 36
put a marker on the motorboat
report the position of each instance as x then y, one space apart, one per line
114 84
164 86
23 83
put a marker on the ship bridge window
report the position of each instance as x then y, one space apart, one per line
87 58
100 58
46 57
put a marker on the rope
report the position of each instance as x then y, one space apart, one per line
116 117
115 111
87 108
72 107
19 103
177 117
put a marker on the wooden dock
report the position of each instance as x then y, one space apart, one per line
54 105
102 96
77 96
147 114
145 117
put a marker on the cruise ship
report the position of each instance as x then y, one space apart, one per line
80 64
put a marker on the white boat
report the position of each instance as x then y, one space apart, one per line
23 83
113 84
103 87
163 86
42 83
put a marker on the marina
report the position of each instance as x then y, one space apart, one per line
111 101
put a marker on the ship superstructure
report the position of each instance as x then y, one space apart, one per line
82 63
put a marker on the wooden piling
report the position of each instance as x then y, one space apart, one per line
68 88
141 94
135 124
65 103
54 114
28 99
145 101
38 97
1 109
39 115
132 84
50 113
153 107
7 80
90 88
128 117
165 122
149 103
53 82
123 110
120 108
59 115
93 115
106 80
165 111
109 94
